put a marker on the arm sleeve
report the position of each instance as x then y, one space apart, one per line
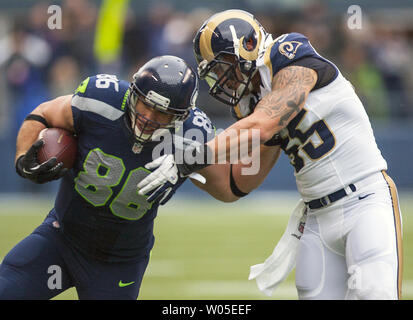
296 49
326 72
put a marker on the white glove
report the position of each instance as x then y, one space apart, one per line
166 173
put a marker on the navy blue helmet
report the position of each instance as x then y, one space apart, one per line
228 41
167 84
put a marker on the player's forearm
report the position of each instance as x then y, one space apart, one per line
217 182
55 113
218 177
30 130
236 142
247 183
219 190
290 90
28 134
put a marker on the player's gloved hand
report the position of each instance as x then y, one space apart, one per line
162 194
166 173
245 107
163 179
28 167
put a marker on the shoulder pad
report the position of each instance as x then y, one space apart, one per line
105 88
285 49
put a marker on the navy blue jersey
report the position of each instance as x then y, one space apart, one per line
98 205
287 49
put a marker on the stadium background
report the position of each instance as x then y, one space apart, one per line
203 248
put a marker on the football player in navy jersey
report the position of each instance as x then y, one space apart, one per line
100 232
351 247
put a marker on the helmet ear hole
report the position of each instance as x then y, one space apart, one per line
249 44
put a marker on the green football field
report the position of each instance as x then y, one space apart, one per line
203 249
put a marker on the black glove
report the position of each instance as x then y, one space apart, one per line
27 166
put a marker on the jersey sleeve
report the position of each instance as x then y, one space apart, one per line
77 113
196 130
199 121
287 49
98 98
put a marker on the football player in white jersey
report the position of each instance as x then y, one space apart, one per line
351 247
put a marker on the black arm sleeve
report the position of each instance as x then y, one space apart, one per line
326 72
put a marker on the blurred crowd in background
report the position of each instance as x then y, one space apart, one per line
38 64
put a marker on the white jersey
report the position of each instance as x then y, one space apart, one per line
330 142
352 248
340 148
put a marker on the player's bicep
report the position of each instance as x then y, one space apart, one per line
290 88
294 78
57 112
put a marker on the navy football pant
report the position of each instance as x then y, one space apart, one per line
43 265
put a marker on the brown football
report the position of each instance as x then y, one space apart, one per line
58 143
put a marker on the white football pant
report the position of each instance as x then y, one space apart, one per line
352 249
